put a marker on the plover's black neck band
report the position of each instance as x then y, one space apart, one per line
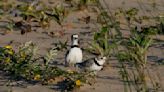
95 61
74 46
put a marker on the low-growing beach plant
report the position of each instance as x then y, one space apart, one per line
5 6
80 4
135 70
24 64
105 17
50 56
33 12
161 24
27 11
108 36
9 26
61 45
17 63
58 13
101 44
134 64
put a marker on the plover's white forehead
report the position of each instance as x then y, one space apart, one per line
75 36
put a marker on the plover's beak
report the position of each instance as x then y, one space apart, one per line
104 58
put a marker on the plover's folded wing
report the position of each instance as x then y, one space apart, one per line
67 53
66 57
87 63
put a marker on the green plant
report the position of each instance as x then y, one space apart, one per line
135 57
33 12
161 24
106 18
10 26
74 80
61 45
43 20
50 56
5 6
58 13
101 43
24 64
28 11
17 64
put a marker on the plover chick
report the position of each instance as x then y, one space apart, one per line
93 64
74 54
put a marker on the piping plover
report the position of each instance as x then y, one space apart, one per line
74 55
93 64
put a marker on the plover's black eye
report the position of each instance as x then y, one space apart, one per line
101 58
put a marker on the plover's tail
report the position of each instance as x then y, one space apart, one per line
82 67
78 65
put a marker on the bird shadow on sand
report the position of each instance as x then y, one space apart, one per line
9 80
57 63
63 86
156 59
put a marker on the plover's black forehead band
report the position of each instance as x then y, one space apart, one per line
95 61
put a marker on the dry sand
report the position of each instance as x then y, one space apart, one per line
108 80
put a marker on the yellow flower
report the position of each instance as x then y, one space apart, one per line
42 12
44 23
8 47
23 55
30 8
37 77
78 82
51 81
10 52
7 60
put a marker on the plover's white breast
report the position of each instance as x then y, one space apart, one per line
95 67
74 55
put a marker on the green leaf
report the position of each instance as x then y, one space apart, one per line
50 55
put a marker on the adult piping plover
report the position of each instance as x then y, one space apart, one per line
74 55
93 64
